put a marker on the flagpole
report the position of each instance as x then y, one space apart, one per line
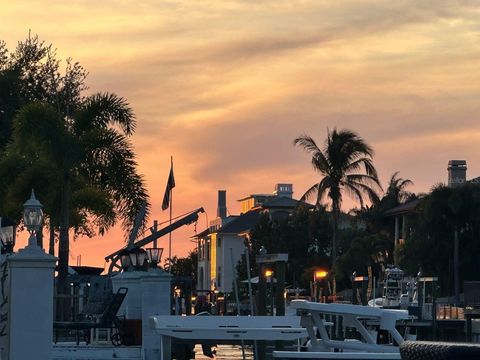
170 233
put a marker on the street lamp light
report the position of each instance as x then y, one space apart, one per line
269 274
318 276
154 256
7 235
32 217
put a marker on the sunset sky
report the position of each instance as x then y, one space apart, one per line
225 86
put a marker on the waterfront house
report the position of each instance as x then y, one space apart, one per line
228 232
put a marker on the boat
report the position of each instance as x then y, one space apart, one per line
369 324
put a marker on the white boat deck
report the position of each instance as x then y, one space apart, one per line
229 327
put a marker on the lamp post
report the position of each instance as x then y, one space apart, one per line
269 276
7 235
32 218
318 276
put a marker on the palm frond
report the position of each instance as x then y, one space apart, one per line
94 203
309 193
354 193
307 143
368 180
372 195
111 163
105 109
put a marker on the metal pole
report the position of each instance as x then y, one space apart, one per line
249 278
235 288
155 227
272 295
170 233
250 296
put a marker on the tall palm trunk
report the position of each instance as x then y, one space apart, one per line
63 251
334 236
39 236
336 214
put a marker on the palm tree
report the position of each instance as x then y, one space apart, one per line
345 165
88 150
396 193
374 216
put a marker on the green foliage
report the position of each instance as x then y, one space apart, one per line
365 250
186 266
32 73
444 211
74 150
305 235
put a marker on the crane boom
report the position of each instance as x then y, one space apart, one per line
187 219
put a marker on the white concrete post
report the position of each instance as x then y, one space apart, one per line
132 305
156 295
30 304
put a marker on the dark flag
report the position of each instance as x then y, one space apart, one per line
168 190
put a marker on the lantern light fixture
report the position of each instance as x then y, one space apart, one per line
137 258
154 255
32 217
125 259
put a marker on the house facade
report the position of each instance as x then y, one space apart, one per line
221 246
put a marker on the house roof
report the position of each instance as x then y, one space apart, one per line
247 221
403 208
256 195
87 270
283 202
242 223
202 234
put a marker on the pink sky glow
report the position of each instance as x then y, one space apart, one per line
225 86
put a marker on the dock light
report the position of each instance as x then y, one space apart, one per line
7 235
268 273
32 217
137 257
319 275
154 256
